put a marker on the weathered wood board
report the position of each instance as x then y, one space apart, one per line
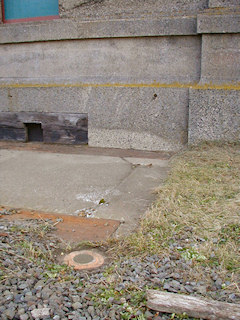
192 306
66 128
15 134
65 136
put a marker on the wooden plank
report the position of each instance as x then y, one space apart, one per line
192 306
56 126
10 120
65 136
12 134
46 118
69 128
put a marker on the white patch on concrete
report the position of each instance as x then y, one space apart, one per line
92 196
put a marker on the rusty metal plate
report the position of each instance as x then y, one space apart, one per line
71 228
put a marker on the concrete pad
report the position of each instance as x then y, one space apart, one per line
133 196
75 184
57 182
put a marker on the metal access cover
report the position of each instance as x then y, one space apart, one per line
84 259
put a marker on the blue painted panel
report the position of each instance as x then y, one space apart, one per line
21 9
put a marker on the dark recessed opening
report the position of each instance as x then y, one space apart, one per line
34 132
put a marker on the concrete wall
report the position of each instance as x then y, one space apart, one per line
158 78
214 107
223 3
122 9
136 60
138 118
214 115
220 58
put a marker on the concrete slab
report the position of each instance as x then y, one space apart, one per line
57 182
96 186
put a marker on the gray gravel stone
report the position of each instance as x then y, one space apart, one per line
76 305
10 313
40 313
91 311
30 290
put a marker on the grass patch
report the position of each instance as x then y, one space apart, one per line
31 251
56 271
199 207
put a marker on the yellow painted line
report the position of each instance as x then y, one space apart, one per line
196 86
226 86
96 85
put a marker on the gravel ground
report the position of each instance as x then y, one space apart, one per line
34 286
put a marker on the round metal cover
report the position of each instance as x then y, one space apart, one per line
84 259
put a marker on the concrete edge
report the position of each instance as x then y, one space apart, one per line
69 29
223 3
218 22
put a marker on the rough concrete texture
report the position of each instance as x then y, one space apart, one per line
55 99
220 58
68 29
71 183
223 3
219 22
139 118
129 139
136 60
214 115
122 9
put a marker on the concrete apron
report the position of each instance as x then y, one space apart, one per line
115 187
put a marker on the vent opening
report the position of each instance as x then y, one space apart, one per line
34 132
84 259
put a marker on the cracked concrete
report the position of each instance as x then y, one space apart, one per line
75 184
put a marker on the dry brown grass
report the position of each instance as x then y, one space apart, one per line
200 201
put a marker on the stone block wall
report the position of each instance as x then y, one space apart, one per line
150 77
